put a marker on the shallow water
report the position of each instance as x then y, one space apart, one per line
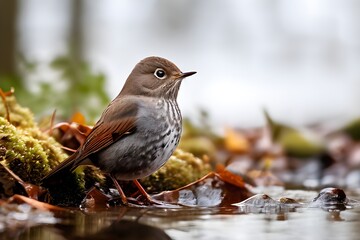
199 223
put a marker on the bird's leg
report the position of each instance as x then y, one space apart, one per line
145 194
142 190
121 192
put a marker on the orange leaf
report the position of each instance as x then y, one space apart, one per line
236 142
78 118
229 177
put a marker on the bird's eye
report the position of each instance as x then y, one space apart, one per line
160 73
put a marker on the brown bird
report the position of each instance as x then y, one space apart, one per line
138 131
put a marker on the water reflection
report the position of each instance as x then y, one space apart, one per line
201 223
128 230
272 220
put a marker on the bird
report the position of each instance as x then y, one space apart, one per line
138 131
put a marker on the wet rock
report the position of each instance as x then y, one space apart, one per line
331 199
258 200
331 196
263 203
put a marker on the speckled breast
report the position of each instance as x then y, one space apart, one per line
158 131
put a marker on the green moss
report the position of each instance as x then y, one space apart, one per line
50 146
25 155
181 169
26 150
20 117
31 154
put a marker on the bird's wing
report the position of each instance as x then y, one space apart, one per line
105 134
117 121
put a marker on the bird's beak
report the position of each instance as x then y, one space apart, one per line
187 74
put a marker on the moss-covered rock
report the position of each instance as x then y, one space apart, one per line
181 169
31 154
27 156
26 150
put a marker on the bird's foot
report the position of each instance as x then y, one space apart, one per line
148 199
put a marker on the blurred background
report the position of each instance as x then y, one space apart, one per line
297 59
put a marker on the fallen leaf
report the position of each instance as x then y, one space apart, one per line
211 190
95 198
78 118
229 177
19 199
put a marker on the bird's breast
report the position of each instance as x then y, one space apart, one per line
158 130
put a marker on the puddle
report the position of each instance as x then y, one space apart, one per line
310 222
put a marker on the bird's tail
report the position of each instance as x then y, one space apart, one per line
65 167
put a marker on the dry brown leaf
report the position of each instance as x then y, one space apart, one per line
34 203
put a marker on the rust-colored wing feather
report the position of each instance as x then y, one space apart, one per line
103 135
117 121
